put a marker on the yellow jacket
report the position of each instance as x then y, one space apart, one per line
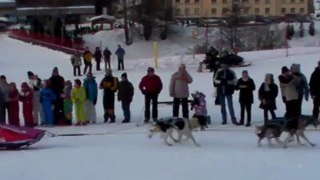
78 95
87 57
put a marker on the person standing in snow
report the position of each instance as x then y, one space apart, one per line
91 88
179 90
35 85
315 91
268 93
26 97
283 77
151 86
57 85
303 88
109 85
125 95
13 105
5 86
225 81
98 57
120 52
2 107
246 86
76 63
87 58
68 106
47 98
107 58
78 96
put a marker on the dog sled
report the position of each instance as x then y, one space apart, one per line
15 138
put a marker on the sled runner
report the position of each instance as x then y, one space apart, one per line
14 138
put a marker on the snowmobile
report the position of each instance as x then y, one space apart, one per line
213 60
15 138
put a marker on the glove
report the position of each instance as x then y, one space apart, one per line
94 101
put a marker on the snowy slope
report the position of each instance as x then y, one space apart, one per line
123 152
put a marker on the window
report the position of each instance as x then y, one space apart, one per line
197 11
301 1
267 1
187 1
302 11
196 1
177 1
224 1
246 10
283 10
292 1
178 12
213 11
224 11
257 1
256 10
267 11
245 1
187 11
292 10
213 1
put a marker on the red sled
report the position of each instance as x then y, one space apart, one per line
15 138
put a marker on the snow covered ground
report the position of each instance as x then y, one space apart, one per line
124 151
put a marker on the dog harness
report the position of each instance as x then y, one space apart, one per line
166 123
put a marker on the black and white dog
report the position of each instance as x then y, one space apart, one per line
183 126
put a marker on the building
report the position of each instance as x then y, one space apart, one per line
221 8
7 8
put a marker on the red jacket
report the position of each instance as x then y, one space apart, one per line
150 84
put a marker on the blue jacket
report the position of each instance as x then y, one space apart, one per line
47 96
91 88
120 53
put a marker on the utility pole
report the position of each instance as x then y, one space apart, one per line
126 30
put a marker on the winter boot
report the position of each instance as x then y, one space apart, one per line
112 118
126 121
106 117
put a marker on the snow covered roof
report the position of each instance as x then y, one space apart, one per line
3 19
103 18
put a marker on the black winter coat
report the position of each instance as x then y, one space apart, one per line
126 91
315 83
225 81
269 96
57 84
98 55
246 93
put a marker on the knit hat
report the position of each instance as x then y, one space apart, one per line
30 73
150 69
284 69
124 75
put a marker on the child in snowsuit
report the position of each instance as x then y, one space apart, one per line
26 97
47 98
199 105
67 102
78 97
13 105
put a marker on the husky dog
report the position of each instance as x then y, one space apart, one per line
183 126
274 130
